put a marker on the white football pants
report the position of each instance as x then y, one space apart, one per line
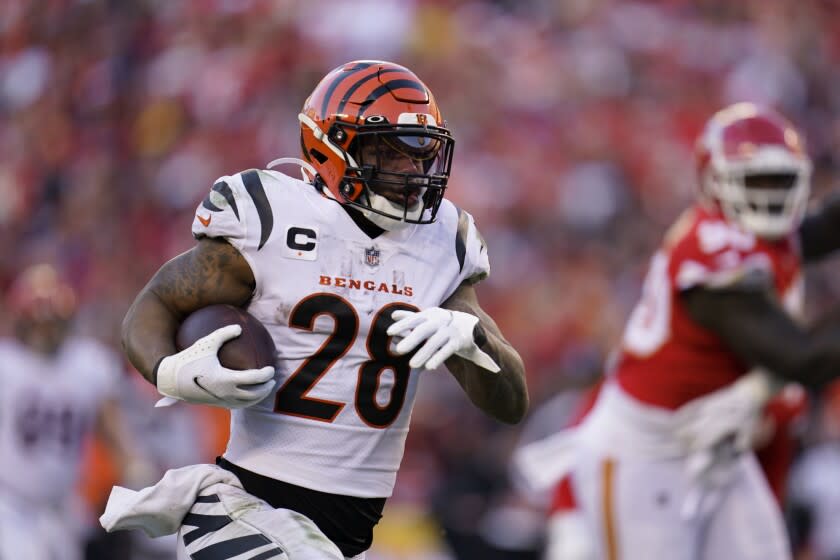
227 522
633 508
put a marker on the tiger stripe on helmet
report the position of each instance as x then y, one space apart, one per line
387 88
342 76
335 114
359 83
364 75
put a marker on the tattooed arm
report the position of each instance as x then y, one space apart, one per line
211 272
503 395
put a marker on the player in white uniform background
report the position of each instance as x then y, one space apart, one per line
55 389
364 275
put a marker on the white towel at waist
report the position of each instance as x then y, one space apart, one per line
159 509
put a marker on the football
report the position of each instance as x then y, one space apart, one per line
252 349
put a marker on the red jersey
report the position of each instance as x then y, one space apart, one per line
666 359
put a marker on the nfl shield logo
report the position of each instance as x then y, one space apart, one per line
372 256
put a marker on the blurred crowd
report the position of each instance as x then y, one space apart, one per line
574 124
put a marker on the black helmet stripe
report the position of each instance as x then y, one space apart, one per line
360 83
334 85
387 87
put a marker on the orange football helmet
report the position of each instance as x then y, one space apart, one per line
752 163
362 118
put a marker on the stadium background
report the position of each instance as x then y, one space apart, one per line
574 123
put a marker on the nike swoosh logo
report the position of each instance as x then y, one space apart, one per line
200 386
204 221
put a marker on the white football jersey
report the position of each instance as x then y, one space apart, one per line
338 418
48 406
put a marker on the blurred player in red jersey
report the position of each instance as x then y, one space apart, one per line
662 466
567 536
55 389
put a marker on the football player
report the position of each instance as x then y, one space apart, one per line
661 470
364 275
770 434
55 389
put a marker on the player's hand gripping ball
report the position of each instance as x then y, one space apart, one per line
225 358
252 349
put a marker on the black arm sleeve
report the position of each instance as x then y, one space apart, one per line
761 333
819 233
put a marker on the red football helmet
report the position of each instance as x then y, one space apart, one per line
752 163
375 136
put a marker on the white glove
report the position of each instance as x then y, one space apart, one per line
195 375
439 333
732 413
716 430
709 472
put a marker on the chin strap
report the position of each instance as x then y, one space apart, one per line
305 167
